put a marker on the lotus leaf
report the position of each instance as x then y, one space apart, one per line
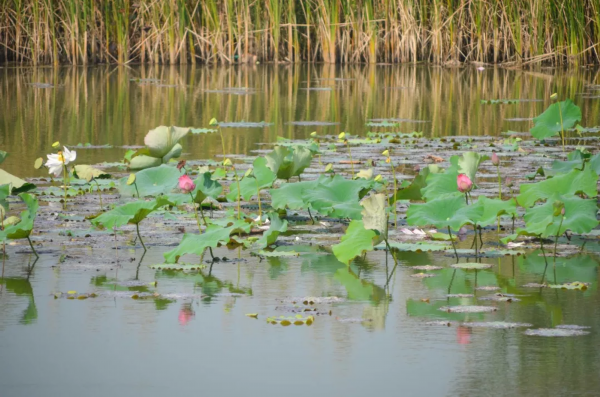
23 228
151 182
261 177
197 243
449 211
572 183
288 162
413 192
161 146
468 164
132 213
17 184
356 241
277 227
337 196
374 215
88 172
493 208
206 187
548 123
439 184
291 195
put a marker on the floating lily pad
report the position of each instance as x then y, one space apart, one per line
178 267
555 332
534 285
487 288
576 285
495 325
460 296
422 275
313 123
296 320
472 266
244 124
499 298
426 267
468 309
572 326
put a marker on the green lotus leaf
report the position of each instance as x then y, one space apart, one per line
493 208
356 241
580 216
374 215
439 184
161 140
197 243
574 182
413 191
88 172
174 153
287 162
4 193
290 195
260 178
132 213
206 187
468 164
238 225
548 123
277 227
151 182
23 228
3 155
337 196
143 161
448 211
18 185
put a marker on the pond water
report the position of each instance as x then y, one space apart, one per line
376 328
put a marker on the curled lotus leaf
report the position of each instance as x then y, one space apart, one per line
161 140
88 172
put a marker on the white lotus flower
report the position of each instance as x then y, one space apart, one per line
57 161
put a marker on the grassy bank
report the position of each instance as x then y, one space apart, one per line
516 32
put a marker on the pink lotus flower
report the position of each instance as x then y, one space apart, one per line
186 184
464 183
495 159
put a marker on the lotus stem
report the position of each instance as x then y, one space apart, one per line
453 245
395 190
137 228
562 128
196 214
350 155
136 189
65 182
387 244
33 249
239 195
467 198
499 184
259 202
558 233
222 140
99 194
311 217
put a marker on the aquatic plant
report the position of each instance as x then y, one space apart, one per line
90 174
287 162
388 159
14 228
17 185
130 213
342 138
256 178
555 120
161 146
58 164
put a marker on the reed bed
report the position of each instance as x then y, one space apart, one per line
516 32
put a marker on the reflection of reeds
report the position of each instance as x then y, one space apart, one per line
101 105
518 32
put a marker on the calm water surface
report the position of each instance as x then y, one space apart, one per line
376 341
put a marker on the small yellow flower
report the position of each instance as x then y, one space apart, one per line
386 153
342 136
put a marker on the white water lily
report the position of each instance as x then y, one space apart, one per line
56 162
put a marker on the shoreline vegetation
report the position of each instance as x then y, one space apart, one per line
516 33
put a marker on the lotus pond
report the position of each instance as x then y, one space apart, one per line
299 230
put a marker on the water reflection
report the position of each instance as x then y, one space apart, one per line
109 105
20 287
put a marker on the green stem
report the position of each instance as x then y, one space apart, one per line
453 246
499 184
556 239
33 249
137 228
136 189
467 198
65 182
395 192
239 197
196 214
99 194
387 244
562 129
222 141
259 203
350 155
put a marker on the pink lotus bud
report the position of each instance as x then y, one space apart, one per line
495 159
186 184
464 183
509 182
